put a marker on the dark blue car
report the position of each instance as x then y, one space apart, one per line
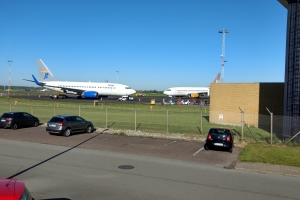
14 120
219 138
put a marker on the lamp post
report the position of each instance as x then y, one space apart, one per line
9 61
117 75
223 32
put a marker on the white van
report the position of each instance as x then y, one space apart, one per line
125 98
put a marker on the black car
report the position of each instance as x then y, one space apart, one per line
15 120
68 124
219 138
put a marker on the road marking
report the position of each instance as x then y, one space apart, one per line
168 144
106 138
134 141
140 139
198 151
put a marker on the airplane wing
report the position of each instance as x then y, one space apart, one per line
77 91
28 80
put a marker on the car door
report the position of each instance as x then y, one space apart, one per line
81 123
73 123
28 119
19 119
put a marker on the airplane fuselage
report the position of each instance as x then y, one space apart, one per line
186 91
103 89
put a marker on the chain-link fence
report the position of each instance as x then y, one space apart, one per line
162 119
134 117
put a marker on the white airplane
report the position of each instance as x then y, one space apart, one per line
82 89
190 92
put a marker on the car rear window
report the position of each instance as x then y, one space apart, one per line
219 131
56 119
7 115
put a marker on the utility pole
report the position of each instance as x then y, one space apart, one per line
9 61
117 75
223 53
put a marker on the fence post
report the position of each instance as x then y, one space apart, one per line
79 109
54 110
167 120
9 105
271 128
292 138
201 116
31 107
242 123
134 118
106 116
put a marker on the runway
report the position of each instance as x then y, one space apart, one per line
45 96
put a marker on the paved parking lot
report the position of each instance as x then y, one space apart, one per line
173 149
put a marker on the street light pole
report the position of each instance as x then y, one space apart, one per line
223 53
9 61
117 75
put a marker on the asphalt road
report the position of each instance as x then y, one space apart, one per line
174 149
90 166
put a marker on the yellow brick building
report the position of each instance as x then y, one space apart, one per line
252 98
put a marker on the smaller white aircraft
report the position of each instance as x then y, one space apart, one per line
190 92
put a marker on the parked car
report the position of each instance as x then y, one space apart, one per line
14 189
68 124
14 120
185 102
126 98
197 102
219 138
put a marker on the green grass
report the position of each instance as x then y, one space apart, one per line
271 154
161 118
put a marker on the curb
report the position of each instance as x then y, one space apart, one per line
269 168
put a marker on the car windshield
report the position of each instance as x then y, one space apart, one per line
56 119
219 131
7 115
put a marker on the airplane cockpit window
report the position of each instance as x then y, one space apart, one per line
168 89
127 88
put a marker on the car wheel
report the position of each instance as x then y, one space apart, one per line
36 123
67 132
14 126
206 147
89 129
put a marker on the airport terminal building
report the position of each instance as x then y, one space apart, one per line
228 100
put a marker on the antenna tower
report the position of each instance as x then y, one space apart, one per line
9 61
223 53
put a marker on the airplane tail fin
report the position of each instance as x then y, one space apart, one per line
44 72
217 79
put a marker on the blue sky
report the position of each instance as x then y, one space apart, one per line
154 44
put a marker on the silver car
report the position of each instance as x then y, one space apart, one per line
68 124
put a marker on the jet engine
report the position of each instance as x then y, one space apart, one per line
197 95
90 94
193 95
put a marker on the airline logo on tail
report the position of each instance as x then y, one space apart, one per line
46 73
